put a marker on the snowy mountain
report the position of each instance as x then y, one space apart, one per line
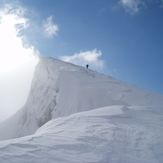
77 115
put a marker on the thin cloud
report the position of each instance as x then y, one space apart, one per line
92 57
161 4
134 6
131 6
50 28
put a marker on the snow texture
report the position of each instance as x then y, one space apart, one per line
74 115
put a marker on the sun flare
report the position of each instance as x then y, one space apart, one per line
13 54
17 62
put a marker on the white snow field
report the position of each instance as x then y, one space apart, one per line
75 115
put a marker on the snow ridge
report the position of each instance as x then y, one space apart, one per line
61 89
77 115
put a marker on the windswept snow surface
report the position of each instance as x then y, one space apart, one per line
77 115
115 134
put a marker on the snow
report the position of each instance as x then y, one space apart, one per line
115 134
77 115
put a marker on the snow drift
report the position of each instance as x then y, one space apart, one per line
117 122
114 134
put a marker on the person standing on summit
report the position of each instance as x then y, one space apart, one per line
87 66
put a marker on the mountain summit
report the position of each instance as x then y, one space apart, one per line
74 114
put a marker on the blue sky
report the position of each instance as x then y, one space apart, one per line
122 38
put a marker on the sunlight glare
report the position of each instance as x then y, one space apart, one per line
13 54
17 61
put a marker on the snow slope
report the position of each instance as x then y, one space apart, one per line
60 89
77 115
115 134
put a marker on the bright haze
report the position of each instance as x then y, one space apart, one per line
17 60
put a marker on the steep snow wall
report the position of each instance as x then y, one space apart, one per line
60 89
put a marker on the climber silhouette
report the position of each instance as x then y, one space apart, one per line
87 66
